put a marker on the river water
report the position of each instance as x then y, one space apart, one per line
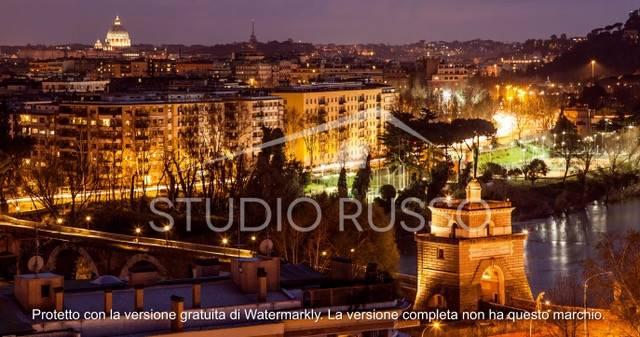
559 246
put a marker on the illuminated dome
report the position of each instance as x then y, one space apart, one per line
117 36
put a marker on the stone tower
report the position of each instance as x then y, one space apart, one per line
470 255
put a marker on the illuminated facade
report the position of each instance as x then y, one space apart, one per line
356 115
123 137
449 75
470 255
117 37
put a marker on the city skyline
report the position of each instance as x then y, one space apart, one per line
352 21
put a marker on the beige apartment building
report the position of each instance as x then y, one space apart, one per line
332 124
120 137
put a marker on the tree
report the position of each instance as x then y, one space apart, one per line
491 170
43 183
586 152
387 197
402 149
12 152
438 180
514 172
569 146
469 131
620 256
362 181
566 292
534 170
342 183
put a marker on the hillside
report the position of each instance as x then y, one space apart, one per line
615 48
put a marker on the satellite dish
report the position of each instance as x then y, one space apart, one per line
35 264
266 246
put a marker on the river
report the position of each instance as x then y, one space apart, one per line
559 246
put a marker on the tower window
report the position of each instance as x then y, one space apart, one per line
440 253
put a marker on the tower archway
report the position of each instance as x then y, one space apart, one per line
492 285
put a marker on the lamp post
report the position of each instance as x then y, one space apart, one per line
87 219
593 70
138 231
586 284
538 309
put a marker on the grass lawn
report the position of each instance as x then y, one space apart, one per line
515 156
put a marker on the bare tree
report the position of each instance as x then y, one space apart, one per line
567 293
620 256
43 183
586 153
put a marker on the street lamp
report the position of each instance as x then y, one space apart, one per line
59 221
538 309
586 285
138 230
87 219
225 241
435 326
593 70
166 228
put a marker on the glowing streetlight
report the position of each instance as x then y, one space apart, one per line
87 219
166 229
59 221
352 250
253 238
593 69
324 253
436 325
225 241
138 231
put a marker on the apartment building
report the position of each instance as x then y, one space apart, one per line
449 75
120 137
335 123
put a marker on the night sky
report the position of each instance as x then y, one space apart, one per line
340 21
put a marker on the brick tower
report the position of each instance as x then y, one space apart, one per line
470 255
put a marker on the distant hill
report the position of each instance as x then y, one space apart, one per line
615 48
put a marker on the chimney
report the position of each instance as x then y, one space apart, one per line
262 285
177 306
139 298
195 294
108 301
58 299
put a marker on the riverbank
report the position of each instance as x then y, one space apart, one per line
553 197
